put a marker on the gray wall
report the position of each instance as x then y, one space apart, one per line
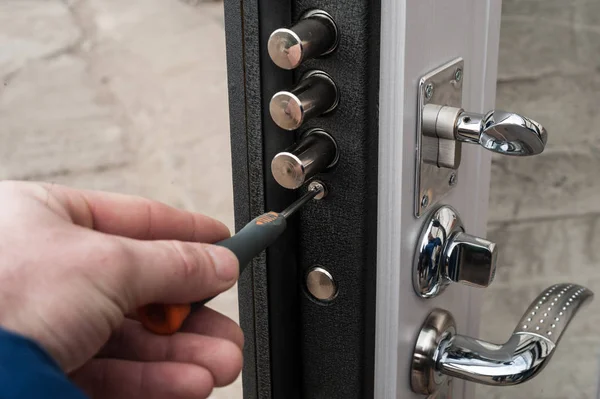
128 95
545 210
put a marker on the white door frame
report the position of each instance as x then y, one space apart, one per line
416 37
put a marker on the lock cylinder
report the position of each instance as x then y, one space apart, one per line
315 35
316 94
313 154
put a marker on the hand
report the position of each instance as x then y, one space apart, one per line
75 263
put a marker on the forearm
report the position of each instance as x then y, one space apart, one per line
28 372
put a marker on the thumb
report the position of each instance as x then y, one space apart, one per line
173 271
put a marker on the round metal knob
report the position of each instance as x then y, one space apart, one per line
314 35
446 254
316 152
314 95
503 132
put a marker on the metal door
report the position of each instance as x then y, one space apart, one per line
357 339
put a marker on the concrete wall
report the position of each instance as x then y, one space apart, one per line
545 210
131 96
125 96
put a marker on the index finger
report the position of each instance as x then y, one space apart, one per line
135 217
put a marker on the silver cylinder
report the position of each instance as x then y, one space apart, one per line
440 121
314 95
316 152
314 35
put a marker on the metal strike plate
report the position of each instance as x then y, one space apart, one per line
442 86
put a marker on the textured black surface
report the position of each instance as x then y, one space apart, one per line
259 290
246 149
282 269
339 233
239 149
296 347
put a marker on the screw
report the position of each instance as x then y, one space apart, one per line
429 90
452 181
424 201
318 184
458 75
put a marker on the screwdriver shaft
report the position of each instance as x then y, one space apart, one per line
312 193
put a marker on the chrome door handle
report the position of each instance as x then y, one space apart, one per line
502 132
440 352
446 254
443 126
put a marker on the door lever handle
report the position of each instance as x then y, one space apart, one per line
443 126
502 132
440 352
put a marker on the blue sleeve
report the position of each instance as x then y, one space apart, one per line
28 372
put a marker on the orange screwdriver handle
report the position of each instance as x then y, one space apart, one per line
166 319
163 319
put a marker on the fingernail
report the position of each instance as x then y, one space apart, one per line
226 264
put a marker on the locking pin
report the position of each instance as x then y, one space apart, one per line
315 153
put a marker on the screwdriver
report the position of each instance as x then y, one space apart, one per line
251 240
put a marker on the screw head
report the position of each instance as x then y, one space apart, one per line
424 201
317 184
458 74
429 90
452 181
